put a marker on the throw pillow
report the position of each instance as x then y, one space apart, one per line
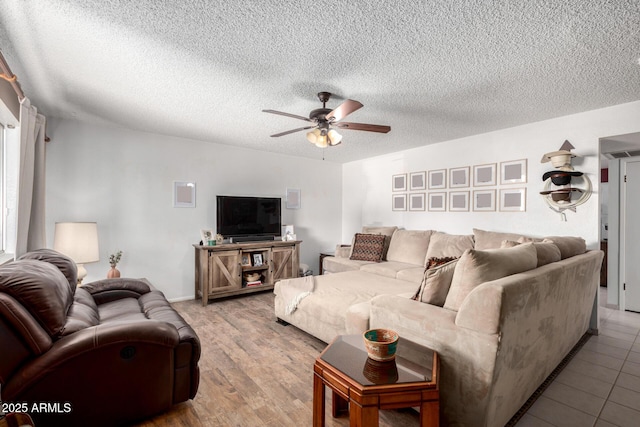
569 246
436 262
476 267
547 252
368 247
435 283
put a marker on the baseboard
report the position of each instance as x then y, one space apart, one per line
187 298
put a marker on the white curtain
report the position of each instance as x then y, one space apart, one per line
30 219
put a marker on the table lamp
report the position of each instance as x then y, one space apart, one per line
78 241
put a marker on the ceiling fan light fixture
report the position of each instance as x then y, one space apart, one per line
313 136
322 141
334 137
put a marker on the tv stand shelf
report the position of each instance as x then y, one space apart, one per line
220 269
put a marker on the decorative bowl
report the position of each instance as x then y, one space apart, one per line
381 344
251 277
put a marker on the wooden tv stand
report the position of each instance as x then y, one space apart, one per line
221 269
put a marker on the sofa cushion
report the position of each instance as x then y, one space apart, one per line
65 264
436 283
476 267
41 288
368 247
338 265
413 275
387 232
448 245
388 268
547 252
493 239
569 246
83 313
409 246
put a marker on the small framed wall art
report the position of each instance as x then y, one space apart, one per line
438 202
416 202
484 175
458 201
484 200
417 181
293 198
184 194
399 182
437 179
399 202
513 172
513 199
459 177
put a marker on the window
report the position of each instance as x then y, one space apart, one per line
3 192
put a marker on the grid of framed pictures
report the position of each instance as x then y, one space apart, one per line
487 187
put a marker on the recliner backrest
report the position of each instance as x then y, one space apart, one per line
42 289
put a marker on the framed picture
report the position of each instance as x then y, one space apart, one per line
399 182
437 179
417 181
484 175
513 199
245 260
458 201
399 202
416 202
438 202
513 172
459 177
484 200
293 198
257 260
206 236
184 194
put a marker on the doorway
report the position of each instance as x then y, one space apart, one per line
619 213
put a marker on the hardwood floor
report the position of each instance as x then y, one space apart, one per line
254 371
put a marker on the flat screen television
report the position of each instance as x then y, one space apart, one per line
248 218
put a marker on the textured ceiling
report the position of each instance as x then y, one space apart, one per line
433 70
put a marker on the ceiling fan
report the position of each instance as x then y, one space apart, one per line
325 119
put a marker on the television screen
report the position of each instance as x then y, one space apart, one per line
248 216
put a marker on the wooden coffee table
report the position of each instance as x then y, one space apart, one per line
363 386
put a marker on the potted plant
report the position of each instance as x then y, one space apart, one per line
114 259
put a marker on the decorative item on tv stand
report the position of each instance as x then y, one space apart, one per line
114 259
564 187
288 233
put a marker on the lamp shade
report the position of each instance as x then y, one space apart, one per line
77 240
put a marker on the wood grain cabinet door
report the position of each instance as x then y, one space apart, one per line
285 262
224 271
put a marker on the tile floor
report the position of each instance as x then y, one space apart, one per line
600 386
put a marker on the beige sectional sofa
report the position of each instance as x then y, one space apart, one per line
502 315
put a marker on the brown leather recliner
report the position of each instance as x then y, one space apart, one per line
107 353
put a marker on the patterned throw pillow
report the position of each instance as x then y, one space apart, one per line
432 263
368 247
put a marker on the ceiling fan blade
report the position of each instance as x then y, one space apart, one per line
363 126
292 131
343 110
295 116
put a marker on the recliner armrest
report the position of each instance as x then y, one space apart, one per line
107 290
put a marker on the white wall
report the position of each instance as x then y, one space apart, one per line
367 183
124 180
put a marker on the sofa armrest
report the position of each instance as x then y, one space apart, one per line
108 290
480 310
343 251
